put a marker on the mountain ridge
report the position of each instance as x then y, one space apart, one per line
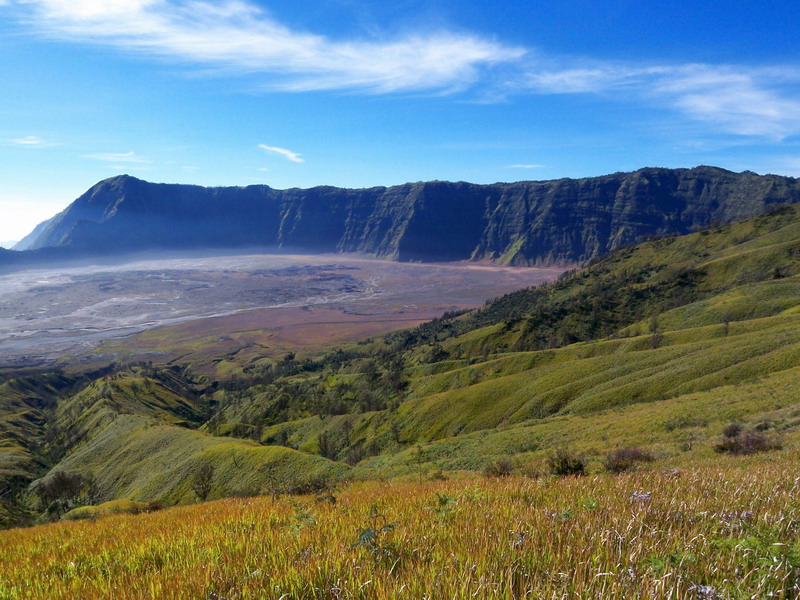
560 221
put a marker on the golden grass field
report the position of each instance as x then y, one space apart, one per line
727 531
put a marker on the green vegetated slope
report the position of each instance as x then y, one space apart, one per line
658 345
128 435
136 436
657 323
24 405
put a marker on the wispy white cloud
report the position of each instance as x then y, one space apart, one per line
580 80
237 35
127 158
288 154
32 141
525 166
746 101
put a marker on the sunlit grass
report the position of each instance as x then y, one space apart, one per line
653 534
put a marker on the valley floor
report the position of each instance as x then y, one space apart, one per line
212 306
727 531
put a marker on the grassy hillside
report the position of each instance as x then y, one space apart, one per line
727 531
136 438
657 323
25 404
659 346
132 435
633 285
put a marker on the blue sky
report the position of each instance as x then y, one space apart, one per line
359 93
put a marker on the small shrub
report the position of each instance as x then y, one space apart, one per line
564 462
502 467
438 476
750 442
318 484
444 507
732 430
373 540
303 517
530 471
624 459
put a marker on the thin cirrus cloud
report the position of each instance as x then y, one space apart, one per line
236 35
127 158
525 166
750 102
287 154
32 141
745 101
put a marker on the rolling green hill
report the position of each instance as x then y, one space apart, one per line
659 346
648 324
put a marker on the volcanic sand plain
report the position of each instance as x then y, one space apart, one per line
214 311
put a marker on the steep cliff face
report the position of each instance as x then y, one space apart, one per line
561 221
580 219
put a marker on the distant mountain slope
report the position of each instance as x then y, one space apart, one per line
526 223
15 259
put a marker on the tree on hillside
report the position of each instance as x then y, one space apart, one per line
201 483
326 446
62 486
